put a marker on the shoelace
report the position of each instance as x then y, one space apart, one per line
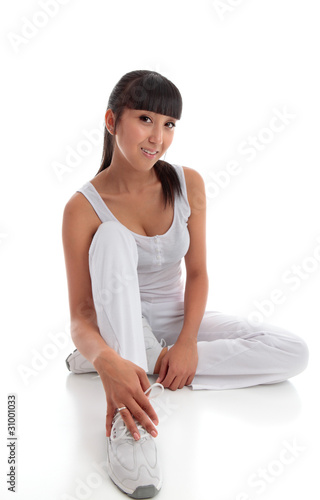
142 431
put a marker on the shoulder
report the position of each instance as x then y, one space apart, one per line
78 212
193 177
195 188
76 205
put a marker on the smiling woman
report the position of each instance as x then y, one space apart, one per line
140 135
125 233
156 95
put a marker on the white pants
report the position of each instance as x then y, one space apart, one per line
232 353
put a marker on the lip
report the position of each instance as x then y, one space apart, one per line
152 150
149 155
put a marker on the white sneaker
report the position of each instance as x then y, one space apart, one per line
77 363
133 465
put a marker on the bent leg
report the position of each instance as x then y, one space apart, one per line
113 260
232 352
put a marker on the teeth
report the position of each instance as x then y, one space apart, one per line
149 152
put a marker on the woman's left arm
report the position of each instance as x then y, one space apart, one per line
179 365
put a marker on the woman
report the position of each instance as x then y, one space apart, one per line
125 233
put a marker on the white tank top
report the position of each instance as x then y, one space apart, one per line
159 257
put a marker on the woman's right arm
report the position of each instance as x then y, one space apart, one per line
124 382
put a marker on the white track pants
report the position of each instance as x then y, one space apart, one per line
232 352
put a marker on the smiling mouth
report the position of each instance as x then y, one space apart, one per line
150 152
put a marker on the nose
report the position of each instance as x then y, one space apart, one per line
156 135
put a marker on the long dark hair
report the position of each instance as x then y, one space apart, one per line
148 90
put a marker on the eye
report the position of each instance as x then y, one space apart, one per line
143 117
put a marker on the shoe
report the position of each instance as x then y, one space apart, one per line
77 363
153 346
133 465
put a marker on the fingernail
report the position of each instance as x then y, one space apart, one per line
154 433
136 436
155 422
158 379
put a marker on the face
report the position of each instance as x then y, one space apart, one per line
142 137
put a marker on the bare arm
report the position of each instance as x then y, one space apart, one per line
197 282
78 228
124 382
178 366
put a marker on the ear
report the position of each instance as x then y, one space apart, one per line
109 121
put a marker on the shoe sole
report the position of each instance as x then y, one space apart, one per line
144 492
147 491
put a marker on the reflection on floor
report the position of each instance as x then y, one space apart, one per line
242 444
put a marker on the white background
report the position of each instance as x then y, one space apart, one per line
234 66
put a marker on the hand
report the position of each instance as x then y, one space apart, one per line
124 383
179 364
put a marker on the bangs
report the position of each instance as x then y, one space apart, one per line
154 92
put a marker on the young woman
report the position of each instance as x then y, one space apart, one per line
125 233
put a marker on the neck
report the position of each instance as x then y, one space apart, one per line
125 179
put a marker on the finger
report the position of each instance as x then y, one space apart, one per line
147 407
163 370
167 382
178 381
189 380
144 381
130 423
110 414
143 399
138 413
182 383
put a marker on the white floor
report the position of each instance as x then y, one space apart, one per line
245 444
263 231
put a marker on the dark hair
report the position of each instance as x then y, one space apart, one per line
148 90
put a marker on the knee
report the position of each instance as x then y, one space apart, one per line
294 350
297 356
291 351
301 355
